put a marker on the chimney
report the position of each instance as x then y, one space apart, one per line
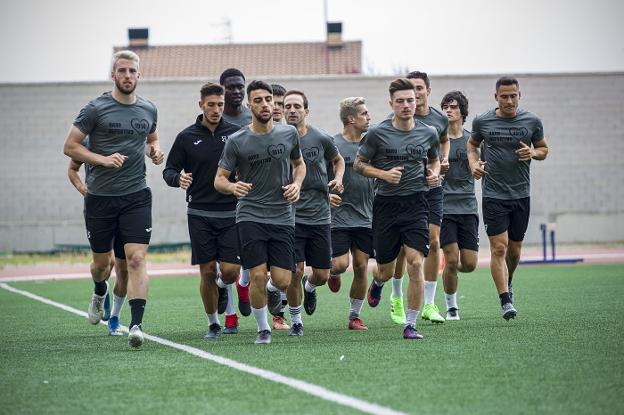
137 38
334 34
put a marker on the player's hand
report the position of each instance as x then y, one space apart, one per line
185 180
114 161
524 152
444 166
83 189
336 186
433 180
241 189
156 155
478 169
334 200
393 176
291 192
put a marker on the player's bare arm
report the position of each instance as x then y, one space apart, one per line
223 185
292 191
363 167
538 152
152 149
74 177
335 185
73 148
477 166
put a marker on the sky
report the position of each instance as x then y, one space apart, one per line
72 40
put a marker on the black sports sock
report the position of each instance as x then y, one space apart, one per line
100 288
137 307
504 298
509 280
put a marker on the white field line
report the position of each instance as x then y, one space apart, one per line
309 388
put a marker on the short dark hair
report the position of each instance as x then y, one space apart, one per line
507 80
296 92
400 84
419 75
461 99
228 73
210 89
255 84
278 90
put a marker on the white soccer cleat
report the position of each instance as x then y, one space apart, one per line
96 309
135 337
452 314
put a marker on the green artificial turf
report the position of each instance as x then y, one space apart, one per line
563 354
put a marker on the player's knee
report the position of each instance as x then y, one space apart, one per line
229 274
498 249
469 265
451 263
359 270
339 266
434 245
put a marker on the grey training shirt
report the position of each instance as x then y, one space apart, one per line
387 147
113 127
459 191
356 210
264 161
242 120
508 178
317 148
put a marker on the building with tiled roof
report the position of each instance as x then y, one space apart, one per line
334 57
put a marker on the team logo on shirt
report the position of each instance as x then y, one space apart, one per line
310 154
520 132
461 155
141 126
197 142
415 152
224 138
276 151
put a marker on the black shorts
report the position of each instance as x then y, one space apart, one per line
460 229
118 247
435 198
345 239
313 245
511 216
397 221
213 238
263 243
129 216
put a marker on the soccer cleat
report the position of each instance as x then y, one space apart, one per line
214 332
397 311
452 314
243 299
274 302
334 283
222 301
279 323
107 308
374 294
432 313
263 337
135 337
509 311
357 324
309 298
410 333
96 310
113 327
231 324
296 330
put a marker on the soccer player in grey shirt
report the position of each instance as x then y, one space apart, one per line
459 233
262 155
122 130
233 81
433 117
512 137
402 154
312 212
352 211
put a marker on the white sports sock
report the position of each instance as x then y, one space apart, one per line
270 286
118 302
309 287
229 309
220 282
244 278
397 287
213 318
411 317
430 290
295 314
260 315
356 307
451 300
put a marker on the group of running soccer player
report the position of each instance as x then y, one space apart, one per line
268 194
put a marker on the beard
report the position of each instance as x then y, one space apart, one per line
123 89
262 118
